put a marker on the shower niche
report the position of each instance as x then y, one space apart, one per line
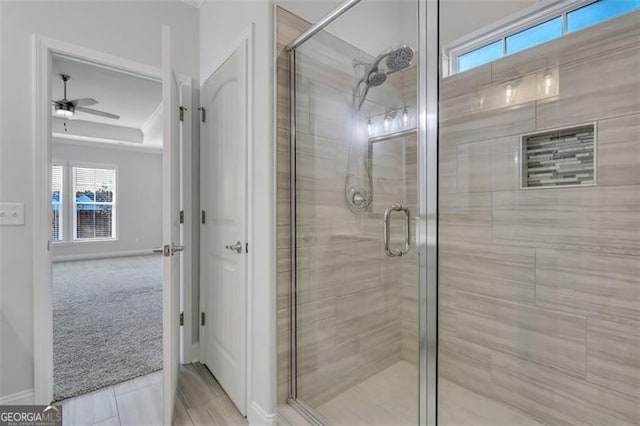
563 157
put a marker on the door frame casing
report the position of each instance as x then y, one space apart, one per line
43 50
246 37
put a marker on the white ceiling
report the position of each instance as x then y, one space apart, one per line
133 98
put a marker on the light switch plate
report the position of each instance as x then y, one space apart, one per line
11 214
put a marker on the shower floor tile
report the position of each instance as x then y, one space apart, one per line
388 398
391 398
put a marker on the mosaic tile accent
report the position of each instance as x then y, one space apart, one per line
555 158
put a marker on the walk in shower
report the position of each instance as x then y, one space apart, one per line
458 211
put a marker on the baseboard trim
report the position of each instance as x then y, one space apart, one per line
109 255
258 416
195 352
21 398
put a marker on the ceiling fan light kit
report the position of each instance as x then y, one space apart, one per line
64 111
67 108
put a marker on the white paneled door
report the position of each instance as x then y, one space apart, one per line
170 228
224 139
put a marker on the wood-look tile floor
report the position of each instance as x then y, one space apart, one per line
200 401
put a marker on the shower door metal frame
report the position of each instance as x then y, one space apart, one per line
426 219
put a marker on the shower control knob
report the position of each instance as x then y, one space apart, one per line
235 247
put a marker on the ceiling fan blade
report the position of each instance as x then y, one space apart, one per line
83 102
96 112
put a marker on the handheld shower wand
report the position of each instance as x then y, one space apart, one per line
359 189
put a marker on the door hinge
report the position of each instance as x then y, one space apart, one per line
181 318
181 216
246 247
201 318
204 114
182 110
204 217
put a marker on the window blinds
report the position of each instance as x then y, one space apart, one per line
57 173
94 203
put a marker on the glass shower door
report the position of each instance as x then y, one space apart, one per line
354 198
539 236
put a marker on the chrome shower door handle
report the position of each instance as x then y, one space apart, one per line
397 252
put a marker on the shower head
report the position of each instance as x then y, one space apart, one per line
376 74
376 78
399 58
394 60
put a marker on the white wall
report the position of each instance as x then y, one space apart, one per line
222 24
371 25
138 198
461 17
129 29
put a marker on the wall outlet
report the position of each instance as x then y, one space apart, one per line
11 214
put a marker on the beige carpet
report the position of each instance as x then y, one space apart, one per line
107 322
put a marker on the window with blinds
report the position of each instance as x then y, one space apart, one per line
94 203
57 176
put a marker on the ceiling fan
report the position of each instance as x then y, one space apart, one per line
67 108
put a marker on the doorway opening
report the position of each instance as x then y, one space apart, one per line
106 165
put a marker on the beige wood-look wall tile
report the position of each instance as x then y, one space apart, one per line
289 26
556 398
613 354
519 64
505 158
489 165
282 98
489 260
465 233
465 208
486 100
488 125
314 311
474 167
515 291
588 282
329 112
447 172
465 82
282 207
326 58
315 345
317 173
619 150
314 146
465 370
541 335
589 218
606 86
